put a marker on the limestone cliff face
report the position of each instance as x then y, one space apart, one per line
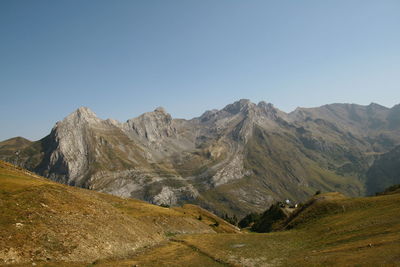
151 127
234 160
68 161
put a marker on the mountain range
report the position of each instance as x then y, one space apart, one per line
239 159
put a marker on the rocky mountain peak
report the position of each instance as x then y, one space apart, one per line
160 110
208 115
85 112
240 106
67 162
82 114
270 111
153 126
156 116
265 105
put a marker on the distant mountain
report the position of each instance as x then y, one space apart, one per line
234 160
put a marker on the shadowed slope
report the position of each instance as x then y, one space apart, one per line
384 172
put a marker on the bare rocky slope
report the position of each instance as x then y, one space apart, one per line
234 160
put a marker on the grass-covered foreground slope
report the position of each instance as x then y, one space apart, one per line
330 230
55 225
43 222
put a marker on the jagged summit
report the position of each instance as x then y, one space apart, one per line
82 114
263 104
151 126
161 110
239 106
266 106
247 107
270 110
158 112
208 115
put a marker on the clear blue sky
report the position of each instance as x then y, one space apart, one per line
123 58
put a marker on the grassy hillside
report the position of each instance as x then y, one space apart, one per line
21 151
42 221
9 146
331 231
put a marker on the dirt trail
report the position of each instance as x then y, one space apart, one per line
202 252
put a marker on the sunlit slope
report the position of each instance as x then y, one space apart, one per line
45 221
331 230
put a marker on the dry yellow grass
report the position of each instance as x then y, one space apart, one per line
336 231
42 221
333 231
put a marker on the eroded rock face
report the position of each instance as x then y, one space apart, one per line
152 127
234 170
68 162
241 157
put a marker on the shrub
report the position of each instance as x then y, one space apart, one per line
216 224
230 219
268 218
249 219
